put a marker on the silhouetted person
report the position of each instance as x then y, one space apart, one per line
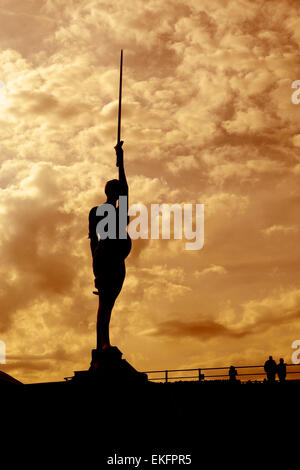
232 374
270 369
109 254
281 370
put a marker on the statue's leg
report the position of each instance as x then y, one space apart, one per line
106 303
108 293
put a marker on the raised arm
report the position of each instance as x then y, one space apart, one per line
120 164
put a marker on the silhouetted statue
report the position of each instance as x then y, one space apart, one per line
232 374
281 370
270 369
109 253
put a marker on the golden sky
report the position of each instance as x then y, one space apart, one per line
208 118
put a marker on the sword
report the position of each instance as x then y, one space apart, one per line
120 102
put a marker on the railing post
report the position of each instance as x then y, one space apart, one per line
199 374
166 376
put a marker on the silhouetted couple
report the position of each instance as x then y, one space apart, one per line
271 369
109 253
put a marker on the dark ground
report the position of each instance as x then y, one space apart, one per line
64 424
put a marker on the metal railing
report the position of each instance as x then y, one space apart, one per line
200 376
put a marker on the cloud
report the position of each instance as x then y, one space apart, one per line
182 163
35 236
296 140
210 269
26 21
279 229
256 315
270 311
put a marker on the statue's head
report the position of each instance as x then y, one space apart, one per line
112 190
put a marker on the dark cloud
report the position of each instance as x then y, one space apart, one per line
25 366
202 330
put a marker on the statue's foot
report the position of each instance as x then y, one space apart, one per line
94 366
104 355
111 353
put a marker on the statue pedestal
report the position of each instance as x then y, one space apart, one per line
108 367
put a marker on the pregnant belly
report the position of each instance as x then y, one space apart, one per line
113 249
